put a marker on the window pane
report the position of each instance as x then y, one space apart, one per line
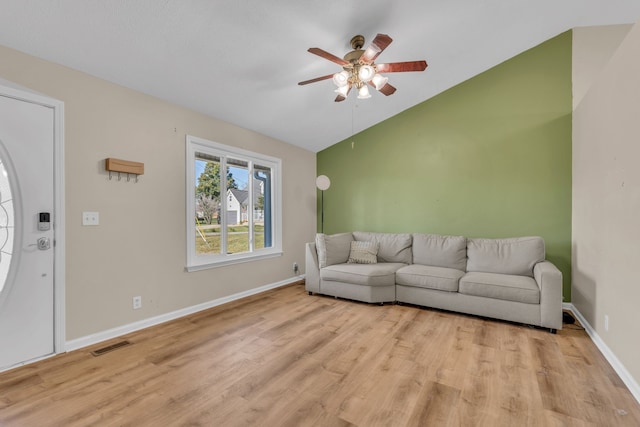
263 229
238 206
6 226
208 239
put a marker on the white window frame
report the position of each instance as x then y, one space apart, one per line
196 262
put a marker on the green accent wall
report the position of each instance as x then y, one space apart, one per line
490 157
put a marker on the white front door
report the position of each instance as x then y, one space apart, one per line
26 246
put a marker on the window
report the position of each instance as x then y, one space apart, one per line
7 227
233 205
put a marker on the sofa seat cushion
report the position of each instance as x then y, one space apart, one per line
381 274
424 276
500 286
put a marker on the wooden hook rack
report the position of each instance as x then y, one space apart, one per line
124 166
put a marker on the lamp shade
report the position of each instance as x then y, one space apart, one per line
323 182
366 73
363 92
341 79
379 81
343 90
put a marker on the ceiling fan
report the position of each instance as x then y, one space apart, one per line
360 70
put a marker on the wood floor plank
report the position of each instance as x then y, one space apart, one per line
435 405
289 359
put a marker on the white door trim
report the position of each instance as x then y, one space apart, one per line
59 338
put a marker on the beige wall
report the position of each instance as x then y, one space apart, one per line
593 47
139 247
606 198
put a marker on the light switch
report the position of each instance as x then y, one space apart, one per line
90 218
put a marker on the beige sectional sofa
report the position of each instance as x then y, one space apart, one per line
506 279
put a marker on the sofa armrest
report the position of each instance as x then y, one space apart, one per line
549 279
311 268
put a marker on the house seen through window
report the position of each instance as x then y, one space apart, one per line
233 206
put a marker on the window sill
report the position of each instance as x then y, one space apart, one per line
230 261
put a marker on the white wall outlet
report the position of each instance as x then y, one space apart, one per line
295 267
606 322
137 302
90 218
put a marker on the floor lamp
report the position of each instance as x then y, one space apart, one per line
323 183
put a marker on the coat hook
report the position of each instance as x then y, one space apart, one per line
124 166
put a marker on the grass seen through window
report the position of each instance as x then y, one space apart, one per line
208 241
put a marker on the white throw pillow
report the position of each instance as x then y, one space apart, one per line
363 252
394 247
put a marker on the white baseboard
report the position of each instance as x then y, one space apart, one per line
615 363
152 321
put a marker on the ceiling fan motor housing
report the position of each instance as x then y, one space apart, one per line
354 56
357 42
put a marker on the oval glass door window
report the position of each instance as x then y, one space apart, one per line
7 227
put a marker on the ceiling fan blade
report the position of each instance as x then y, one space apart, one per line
398 67
387 89
317 79
326 55
376 47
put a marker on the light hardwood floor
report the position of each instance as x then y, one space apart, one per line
283 358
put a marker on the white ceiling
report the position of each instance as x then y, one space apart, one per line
240 60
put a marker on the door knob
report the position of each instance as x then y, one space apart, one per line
44 243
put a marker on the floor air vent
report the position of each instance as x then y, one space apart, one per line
107 349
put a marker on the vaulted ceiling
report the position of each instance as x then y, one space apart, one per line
240 60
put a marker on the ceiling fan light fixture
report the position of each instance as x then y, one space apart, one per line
360 70
379 81
342 90
341 79
363 92
366 73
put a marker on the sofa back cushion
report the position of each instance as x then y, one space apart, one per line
440 251
333 248
505 256
392 247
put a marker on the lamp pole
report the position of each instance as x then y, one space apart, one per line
323 183
322 215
